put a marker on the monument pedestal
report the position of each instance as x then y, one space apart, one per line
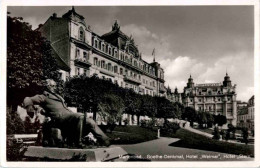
65 154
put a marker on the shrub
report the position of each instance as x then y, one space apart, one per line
126 121
170 127
14 150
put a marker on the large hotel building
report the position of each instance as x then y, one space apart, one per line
113 56
215 98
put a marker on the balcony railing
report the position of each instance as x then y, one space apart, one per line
82 61
107 72
129 78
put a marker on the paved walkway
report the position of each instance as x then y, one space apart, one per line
198 132
159 150
210 135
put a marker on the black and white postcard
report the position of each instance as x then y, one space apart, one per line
147 84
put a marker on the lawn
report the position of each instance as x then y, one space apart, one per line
195 141
131 135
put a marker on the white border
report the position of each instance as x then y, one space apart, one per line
5 3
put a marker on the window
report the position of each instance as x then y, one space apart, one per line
77 71
109 51
96 44
126 72
103 64
109 67
121 71
103 47
199 100
85 72
77 53
99 45
115 69
81 34
86 55
95 61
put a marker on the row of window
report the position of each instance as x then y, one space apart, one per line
113 51
85 54
115 69
78 71
134 87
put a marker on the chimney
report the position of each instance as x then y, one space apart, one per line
54 15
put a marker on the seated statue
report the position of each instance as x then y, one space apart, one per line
73 126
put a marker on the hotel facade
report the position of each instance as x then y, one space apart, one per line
113 56
214 98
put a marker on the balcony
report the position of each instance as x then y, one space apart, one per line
107 72
82 62
131 79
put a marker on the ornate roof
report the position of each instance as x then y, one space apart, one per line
73 15
121 40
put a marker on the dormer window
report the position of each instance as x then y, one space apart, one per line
96 44
81 34
103 47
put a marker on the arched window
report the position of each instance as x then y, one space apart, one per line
81 34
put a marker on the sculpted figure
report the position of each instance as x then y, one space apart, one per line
73 126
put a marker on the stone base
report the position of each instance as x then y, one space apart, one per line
65 154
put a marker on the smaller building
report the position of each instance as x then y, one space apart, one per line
173 96
214 98
245 117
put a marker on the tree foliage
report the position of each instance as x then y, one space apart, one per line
29 61
102 96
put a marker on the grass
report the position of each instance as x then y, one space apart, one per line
195 141
131 135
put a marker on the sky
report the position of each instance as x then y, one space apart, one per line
202 41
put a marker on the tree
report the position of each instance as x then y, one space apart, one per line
245 135
165 109
111 108
216 133
190 114
221 120
29 62
210 120
202 118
